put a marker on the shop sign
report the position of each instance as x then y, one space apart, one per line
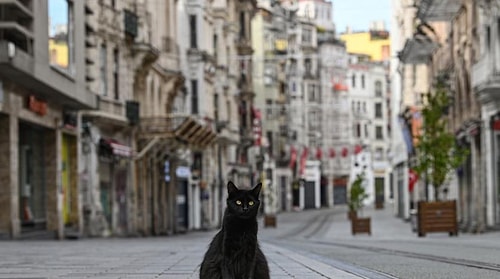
183 172
37 106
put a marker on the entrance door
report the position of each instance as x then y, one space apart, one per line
182 204
121 198
32 177
68 179
379 190
310 195
340 190
283 182
296 194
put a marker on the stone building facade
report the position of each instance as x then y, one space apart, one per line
39 133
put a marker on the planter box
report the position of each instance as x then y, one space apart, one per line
361 225
440 216
270 221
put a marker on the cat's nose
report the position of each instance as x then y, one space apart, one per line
245 208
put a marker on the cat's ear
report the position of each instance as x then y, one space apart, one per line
231 188
256 190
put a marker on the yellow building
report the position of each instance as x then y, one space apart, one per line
58 53
376 44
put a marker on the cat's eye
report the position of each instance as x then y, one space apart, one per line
238 202
250 203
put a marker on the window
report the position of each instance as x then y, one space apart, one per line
358 130
215 48
216 106
378 110
61 37
269 135
353 80
308 66
312 93
194 96
269 109
379 133
193 33
103 57
379 153
366 131
306 35
363 81
242 25
378 88
116 73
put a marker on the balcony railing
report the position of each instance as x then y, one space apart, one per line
485 78
112 107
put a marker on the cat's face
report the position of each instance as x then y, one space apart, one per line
243 203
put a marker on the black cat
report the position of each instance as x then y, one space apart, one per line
234 252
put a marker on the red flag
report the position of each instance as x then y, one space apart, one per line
303 160
412 179
357 149
319 153
345 152
293 157
332 153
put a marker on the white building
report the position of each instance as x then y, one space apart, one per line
370 145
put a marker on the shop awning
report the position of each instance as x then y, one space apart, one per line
109 147
184 129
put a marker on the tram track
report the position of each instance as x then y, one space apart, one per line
414 255
310 233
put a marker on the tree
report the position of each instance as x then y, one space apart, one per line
437 151
357 193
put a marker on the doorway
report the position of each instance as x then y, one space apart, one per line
32 177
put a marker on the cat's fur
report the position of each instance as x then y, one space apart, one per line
234 252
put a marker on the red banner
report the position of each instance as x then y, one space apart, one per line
332 153
319 153
412 179
293 157
303 160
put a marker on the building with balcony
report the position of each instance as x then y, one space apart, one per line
485 82
368 89
42 85
270 44
119 53
445 41
336 120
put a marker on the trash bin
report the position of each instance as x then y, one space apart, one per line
413 220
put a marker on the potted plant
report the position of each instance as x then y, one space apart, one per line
357 196
438 154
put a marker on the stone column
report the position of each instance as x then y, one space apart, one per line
53 191
9 166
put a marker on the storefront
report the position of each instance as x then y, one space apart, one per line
33 168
